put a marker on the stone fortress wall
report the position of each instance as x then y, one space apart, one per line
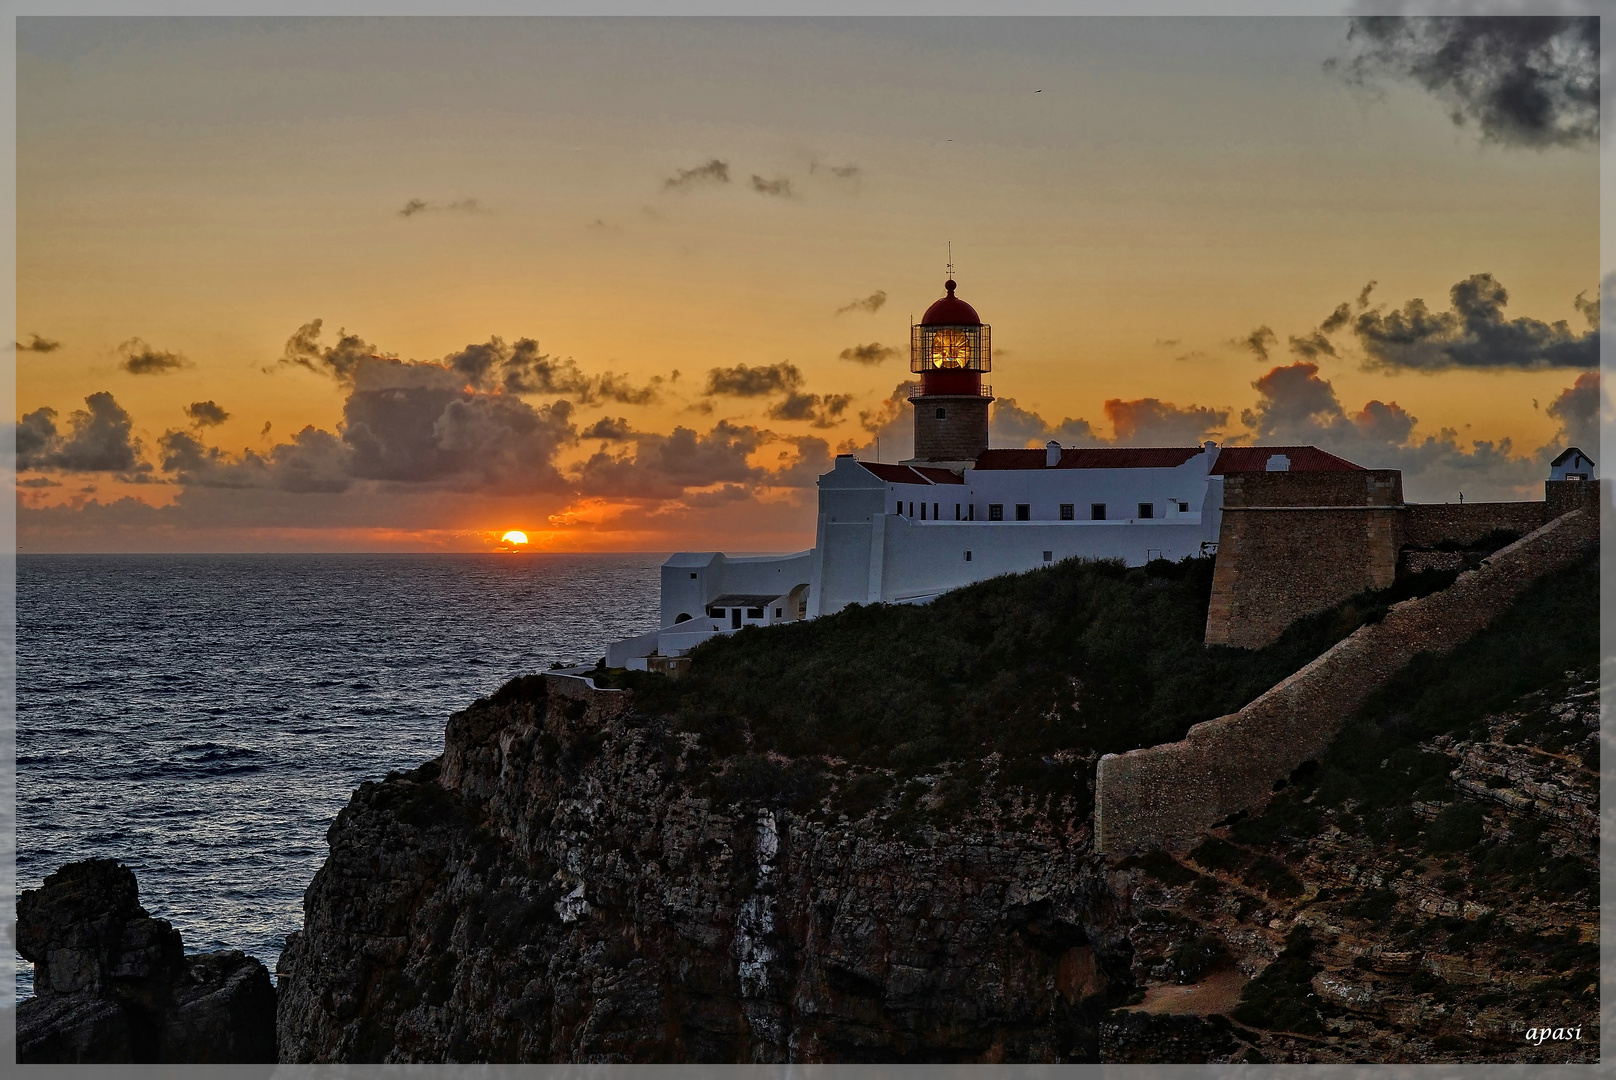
1231 763
1293 543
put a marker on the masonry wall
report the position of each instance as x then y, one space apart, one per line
961 435
1295 543
1427 524
1165 796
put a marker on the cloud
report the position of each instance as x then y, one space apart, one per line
873 353
37 344
1522 81
761 381
841 172
714 172
1315 344
140 358
609 429
459 206
1577 409
518 368
206 413
1258 341
98 440
822 411
1473 333
871 303
1011 425
663 466
780 187
1152 422
1296 406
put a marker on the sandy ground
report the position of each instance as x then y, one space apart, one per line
1217 993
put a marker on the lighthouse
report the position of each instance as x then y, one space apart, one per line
950 349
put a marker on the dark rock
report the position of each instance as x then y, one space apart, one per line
112 984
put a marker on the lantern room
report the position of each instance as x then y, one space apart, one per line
950 348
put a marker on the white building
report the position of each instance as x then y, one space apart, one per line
958 512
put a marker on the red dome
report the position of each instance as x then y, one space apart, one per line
950 311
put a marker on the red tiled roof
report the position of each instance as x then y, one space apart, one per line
1092 457
939 476
895 474
1238 459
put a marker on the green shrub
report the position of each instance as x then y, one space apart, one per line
761 781
1282 998
863 793
1456 827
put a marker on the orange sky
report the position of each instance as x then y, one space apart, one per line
1128 201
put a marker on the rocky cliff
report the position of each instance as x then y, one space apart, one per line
112 984
563 886
578 878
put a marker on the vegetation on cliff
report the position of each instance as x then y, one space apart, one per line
1080 654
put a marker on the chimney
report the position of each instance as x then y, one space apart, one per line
1052 454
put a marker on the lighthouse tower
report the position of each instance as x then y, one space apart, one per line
950 349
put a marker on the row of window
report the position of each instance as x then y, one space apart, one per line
1068 511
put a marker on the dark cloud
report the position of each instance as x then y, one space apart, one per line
1577 409
493 365
1473 333
714 172
761 381
39 482
303 349
1296 406
140 358
314 462
780 187
871 303
1313 345
1258 341
663 466
873 353
37 344
1521 80
823 411
609 429
1341 316
1153 422
1011 425
206 413
459 206
99 439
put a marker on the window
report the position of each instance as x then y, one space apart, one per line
1147 510
1183 507
1023 512
683 616
1068 512
779 613
970 515
995 511
967 556
911 509
1096 511
956 511
692 575
734 618
754 613
942 414
715 613
1049 556
899 510
922 511
935 516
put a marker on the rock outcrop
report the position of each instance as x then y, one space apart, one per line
565 886
113 985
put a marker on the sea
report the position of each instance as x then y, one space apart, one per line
203 718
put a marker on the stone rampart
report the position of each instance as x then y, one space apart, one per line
1428 524
1295 543
1164 796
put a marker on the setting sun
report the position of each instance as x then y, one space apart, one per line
514 537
